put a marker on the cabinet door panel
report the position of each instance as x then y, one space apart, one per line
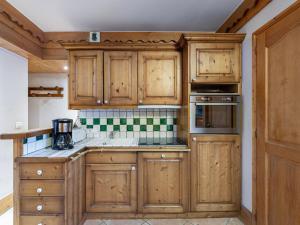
86 78
215 173
120 77
219 63
163 182
111 188
159 77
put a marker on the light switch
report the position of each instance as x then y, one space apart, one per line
19 125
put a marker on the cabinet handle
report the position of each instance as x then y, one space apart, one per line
133 168
194 139
39 172
105 102
39 190
39 224
98 101
39 208
163 156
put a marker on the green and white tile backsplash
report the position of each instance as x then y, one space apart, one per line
36 143
143 123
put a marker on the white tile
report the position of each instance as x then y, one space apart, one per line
130 135
31 147
163 128
163 134
156 134
40 144
136 113
116 121
123 134
129 121
129 114
149 128
163 113
110 128
89 114
156 121
103 134
109 114
170 121
156 113
136 134
136 128
150 134
123 128
31 139
143 113
96 114
116 113
25 149
122 114
143 134
89 121
143 121
170 134
96 128
150 112
103 121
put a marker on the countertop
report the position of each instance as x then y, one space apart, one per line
94 144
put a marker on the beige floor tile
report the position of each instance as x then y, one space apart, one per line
124 222
209 221
235 221
167 221
93 222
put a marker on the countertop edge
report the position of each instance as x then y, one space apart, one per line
25 134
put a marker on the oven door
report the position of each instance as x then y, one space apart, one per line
215 118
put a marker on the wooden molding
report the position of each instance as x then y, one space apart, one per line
246 216
6 203
25 134
246 11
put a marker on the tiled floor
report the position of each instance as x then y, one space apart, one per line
7 219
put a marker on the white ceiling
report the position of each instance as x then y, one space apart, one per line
126 15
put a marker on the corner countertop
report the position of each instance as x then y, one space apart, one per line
94 145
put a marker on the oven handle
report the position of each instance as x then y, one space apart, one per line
218 103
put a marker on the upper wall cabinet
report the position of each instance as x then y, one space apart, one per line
215 62
120 78
86 78
159 77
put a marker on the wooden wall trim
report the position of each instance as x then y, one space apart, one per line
6 203
246 216
246 11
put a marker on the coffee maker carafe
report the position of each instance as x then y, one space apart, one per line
62 134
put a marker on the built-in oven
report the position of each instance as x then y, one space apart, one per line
218 113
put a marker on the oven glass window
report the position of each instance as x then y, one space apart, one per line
215 116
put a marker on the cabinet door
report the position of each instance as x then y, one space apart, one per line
159 75
111 188
120 78
163 183
215 62
215 173
86 78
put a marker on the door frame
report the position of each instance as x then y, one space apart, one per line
262 29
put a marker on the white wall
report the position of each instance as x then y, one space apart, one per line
13 108
273 9
43 110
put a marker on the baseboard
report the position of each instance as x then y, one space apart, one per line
246 216
6 203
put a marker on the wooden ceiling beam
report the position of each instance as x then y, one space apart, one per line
246 11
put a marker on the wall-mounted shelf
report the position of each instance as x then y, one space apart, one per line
48 92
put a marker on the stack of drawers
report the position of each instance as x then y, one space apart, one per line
42 191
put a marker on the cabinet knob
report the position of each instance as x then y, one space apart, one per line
39 172
39 190
133 168
163 156
193 79
39 208
98 101
141 101
40 224
194 139
105 102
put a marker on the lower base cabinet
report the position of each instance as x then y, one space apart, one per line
47 220
111 188
215 173
163 182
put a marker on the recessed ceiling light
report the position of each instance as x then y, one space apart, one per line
66 68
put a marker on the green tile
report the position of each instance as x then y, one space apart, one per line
123 121
175 121
156 128
149 121
163 121
89 126
83 121
103 128
129 127
170 128
110 121
96 121
116 127
143 128
136 121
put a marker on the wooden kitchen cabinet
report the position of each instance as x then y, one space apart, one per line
120 78
159 77
111 188
85 78
163 182
215 62
215 173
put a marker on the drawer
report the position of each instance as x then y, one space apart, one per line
42 171
37 188
42 205
43 220
111 157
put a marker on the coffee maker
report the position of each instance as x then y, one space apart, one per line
62 134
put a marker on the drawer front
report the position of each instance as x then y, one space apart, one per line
42 171
37 188
43 220
42 205
111 157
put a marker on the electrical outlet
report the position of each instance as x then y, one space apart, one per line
19 125
94 36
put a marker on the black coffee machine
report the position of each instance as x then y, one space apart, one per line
62 134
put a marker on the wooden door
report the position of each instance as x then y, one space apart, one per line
277 94
120 78
111 188
159 75
163 183
215 173
215 62
86 78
